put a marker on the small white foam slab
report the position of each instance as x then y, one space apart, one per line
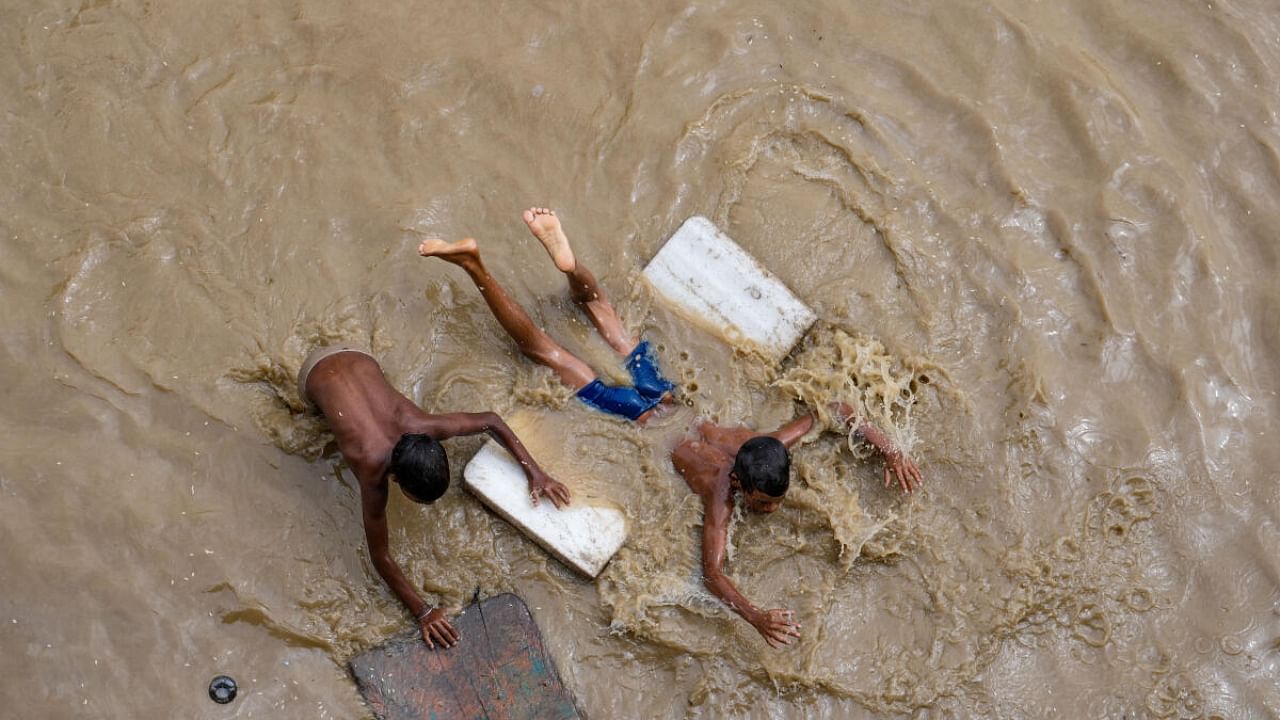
583 535
704 275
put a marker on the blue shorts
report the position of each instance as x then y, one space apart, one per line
646 390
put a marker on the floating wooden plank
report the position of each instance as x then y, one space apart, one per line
706 277
499 670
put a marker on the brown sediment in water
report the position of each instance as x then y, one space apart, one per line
1061 214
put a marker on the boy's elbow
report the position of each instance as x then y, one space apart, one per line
712 580
381 561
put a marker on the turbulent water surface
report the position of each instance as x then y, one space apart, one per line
1042 236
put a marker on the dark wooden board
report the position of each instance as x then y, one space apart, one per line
499 670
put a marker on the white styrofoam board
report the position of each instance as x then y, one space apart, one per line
583 535
704 275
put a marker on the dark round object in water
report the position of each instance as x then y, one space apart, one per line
222 690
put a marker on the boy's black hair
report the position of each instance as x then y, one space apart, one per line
420 466
763 464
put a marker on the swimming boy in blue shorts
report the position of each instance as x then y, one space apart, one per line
634 402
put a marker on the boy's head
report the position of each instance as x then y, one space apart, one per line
762 469
419 464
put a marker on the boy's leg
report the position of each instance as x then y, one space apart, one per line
532 341
583 287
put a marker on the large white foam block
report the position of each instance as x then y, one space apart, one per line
584 535
705 276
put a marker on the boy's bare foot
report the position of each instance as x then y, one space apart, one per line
545 226
453 252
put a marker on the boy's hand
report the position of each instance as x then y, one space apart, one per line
778 627
900 466
436 629
541 484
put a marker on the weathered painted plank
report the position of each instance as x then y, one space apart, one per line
499 670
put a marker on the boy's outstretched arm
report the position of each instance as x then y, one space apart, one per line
449 425
777 626
791 433
432 622
896 464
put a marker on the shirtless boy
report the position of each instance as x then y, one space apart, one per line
384 436
722 462
635 402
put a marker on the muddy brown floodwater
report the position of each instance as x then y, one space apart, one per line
1054 224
